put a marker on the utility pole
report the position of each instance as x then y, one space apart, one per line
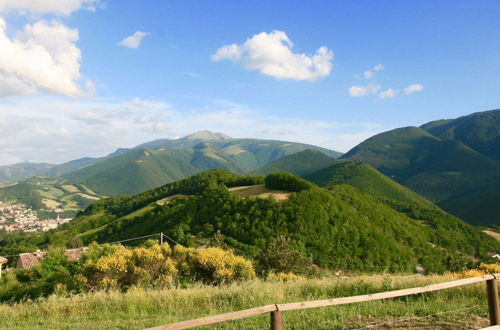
161 238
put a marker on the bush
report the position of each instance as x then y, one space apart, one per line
482 269
286 181
123 267
280 256
213 265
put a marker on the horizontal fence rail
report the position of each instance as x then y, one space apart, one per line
277 309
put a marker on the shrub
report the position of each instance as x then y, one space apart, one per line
286 181
280 256
213 265
123 267
482 269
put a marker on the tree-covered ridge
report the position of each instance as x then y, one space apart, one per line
367 179
480 131
341 227
300 163
436 168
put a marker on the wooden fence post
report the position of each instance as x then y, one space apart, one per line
161 238
493 301
276 320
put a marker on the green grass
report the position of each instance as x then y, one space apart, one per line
139 309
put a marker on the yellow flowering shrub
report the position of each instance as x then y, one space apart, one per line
155 265
124 267
213 265
482 269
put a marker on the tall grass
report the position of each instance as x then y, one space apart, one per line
138 309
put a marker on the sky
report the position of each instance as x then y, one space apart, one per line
85 77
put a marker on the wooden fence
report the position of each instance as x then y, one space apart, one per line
276 310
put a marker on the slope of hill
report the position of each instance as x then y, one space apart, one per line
336 227
480 131
135 171
300 163
248 154
367 179
48 194
435 168
480 206
22 171
207 157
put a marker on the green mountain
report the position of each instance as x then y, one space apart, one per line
300 163
207 157
367 179
248 154
438 169
480 131
22 171
135 171
341 227
131 171
480 206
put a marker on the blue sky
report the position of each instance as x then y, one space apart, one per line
290 70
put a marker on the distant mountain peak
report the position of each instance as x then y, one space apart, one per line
207 136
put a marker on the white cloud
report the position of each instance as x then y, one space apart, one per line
271 54
43 56
358 91
413 88
378 67
55 129
58 7
133 41
368 74
387 94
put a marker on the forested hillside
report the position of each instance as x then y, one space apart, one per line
335 227
300 163
367 179
453 163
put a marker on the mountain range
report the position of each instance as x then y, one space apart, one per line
75 184
454 163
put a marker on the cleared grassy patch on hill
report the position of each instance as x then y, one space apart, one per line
139 309
260 191
492 234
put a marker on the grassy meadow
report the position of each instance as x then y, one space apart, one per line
460 308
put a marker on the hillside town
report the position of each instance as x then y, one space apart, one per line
18 217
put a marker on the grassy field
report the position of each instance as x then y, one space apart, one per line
492 234
261 191
461 308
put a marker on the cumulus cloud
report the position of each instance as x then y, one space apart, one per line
271 54
57 7
54 129
133 41
413 88
387 94
42 56
368 74
358 91
378 67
